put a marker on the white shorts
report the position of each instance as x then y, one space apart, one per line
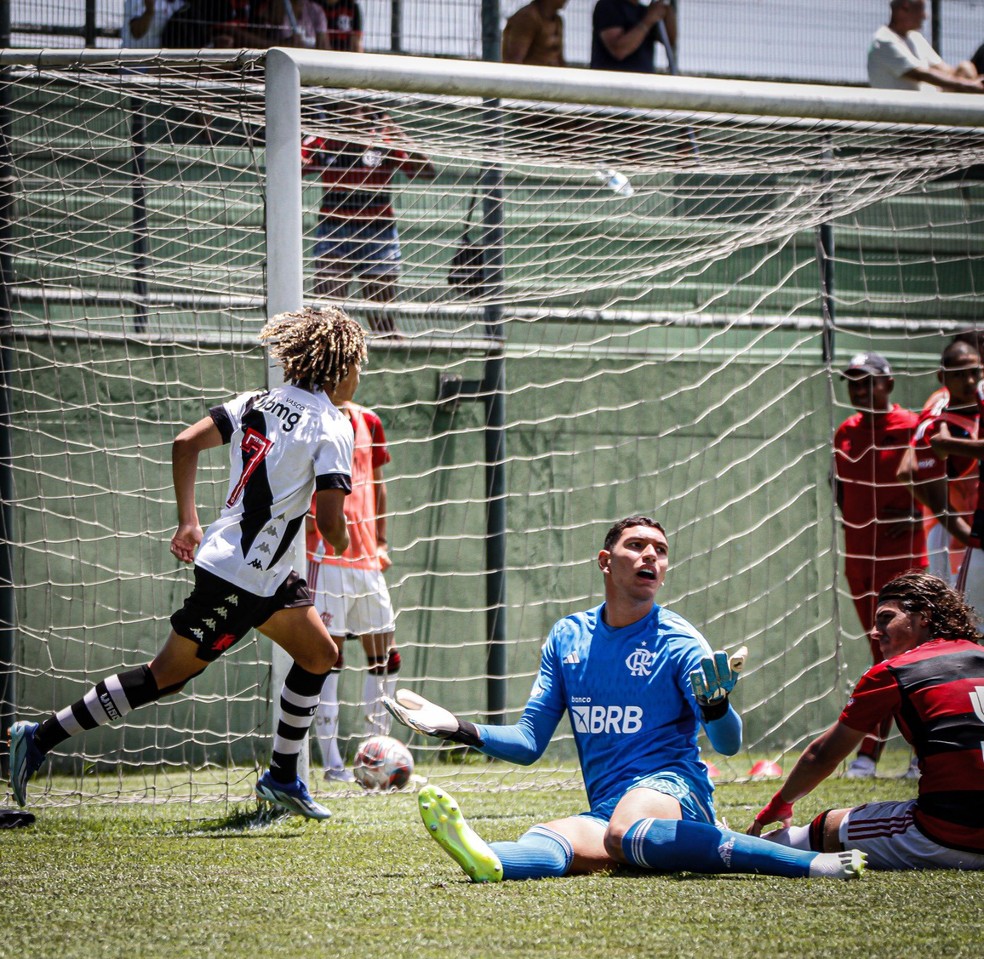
351 600
886 832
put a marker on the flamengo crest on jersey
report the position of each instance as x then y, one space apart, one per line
281 441
618 683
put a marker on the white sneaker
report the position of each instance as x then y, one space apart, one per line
862 767
913 771
339 774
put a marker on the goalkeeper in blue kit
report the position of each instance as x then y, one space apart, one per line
637 681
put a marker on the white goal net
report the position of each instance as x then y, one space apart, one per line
607 301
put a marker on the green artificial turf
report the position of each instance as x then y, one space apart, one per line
185 882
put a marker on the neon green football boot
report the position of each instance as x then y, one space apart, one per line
443 819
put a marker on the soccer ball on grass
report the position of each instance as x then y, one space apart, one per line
383 763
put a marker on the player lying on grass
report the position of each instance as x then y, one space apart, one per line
636 680
931 681
285 444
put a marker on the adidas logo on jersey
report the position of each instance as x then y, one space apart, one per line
571 659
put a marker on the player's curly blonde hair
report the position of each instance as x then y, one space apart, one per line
316 348
949 616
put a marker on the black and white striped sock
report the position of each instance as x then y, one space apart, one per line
110 699
298 704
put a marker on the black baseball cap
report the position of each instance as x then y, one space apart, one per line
867 364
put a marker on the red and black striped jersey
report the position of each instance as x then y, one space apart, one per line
357 176
936 694
344 21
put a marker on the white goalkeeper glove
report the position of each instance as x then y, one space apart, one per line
715 679
423 716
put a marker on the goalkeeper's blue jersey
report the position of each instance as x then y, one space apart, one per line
628 696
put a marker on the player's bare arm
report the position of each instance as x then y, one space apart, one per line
185 450
944 445
818 761
934 495
330 517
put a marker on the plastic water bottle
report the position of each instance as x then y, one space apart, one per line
617 182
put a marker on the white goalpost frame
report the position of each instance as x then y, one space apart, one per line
277 270
644 91
287 69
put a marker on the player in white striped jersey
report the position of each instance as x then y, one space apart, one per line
286 444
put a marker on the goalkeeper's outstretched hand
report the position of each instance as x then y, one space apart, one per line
715 679
423 716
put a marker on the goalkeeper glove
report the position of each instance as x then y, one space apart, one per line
428 718
715 679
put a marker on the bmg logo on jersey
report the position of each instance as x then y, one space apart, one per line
607 719
640 662
279 409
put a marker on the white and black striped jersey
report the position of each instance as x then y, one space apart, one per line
284 444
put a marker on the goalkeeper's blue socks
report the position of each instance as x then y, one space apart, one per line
539 853
672 845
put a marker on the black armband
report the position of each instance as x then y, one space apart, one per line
466 734
712 711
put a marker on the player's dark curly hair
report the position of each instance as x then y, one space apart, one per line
316 348
949 616
612 536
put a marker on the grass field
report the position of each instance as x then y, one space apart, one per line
188 882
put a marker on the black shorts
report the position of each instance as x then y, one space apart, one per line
217 614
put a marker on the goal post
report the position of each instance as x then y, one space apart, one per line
653 323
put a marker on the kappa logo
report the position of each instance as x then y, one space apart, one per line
222 612
640 662
232 599
624 720
256 564
223 642
210 623
263 548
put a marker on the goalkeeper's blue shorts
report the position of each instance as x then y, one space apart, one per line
695 797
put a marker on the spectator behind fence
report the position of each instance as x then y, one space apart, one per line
901 58
624 34
293 23
344 25
534 35
144 22
883 529
356 234
947 486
